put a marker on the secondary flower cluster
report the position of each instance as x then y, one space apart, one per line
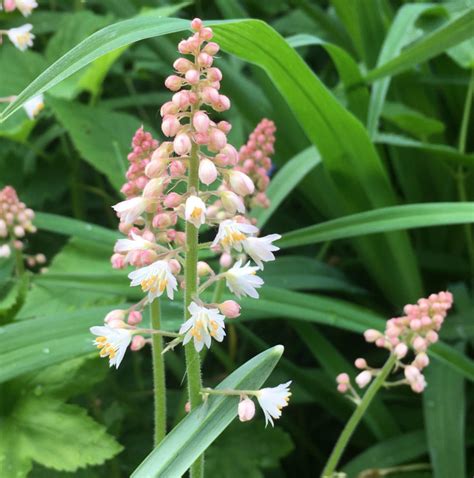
413 332
21 37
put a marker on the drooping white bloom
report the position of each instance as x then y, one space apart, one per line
112 342
154 279
21 37
241 280
203 324
137 243
231 234
195 211
129 210
26 6
272 400
260 248
34 106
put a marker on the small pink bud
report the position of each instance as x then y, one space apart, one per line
411 373
134 317
162 221
173 200
177 168
180 238
192 77
419 344
363 378
211 49
241 183
155 168
224 126
342 388
225 260
203 269
207 171
175 266
360 363
196 24
170 125
246 410
201 122
187 407
421 360
210 95
400 350
206 33
232 202
432 336
154 188
222 104
371 335
138 342
182 144
169 108
217 139
18 231
204 60
229 308
40 258
173 82
343 378
117 315
183 65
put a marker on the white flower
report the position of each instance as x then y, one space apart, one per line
241 280
21 37
112 342
34 106
26 6
5 251
195 211
129 210
137 243
272 400
154 279
203 324
260 248
231 234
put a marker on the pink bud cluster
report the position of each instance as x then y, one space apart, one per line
143 146
415 331
15 221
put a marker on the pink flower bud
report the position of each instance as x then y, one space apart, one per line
169 108
138 342
134 317
343 378
363 378
154 188
210 95
241 183
400 350
411 373
175 266
170 125
371 335
207 171
40 258
201 122
419 344
162 221
360 363
192 77
206 33
196 24
173 200
183 65
182 144
177 168
155 168
222 104
117 261
187 407
5 251
180 238
217 139
224 126
229 308
211 49
18 231
173 83
246 410
203 269
117 315
204 60
232 203
225 260
432 336
342 388
421 360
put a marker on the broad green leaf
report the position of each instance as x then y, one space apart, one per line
382 220
57 435
285 180
193 435
401 32
389 453
102 137
253 448
462 54
445 420
451 34
73 227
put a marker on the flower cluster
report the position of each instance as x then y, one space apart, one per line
192 180
412 333
15 222
21 37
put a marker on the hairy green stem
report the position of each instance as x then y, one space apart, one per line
159 379
356 417
193 361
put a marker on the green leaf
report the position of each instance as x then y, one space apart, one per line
445 419
389 453
193 435
253 448
73 227
382 220
102 137
60 436
13 299
451 34
285 180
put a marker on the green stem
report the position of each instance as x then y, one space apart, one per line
193 361
20 266
159 379
356 417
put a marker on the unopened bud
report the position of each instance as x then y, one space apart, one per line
246 410
229 308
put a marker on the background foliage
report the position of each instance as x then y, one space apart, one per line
370 98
